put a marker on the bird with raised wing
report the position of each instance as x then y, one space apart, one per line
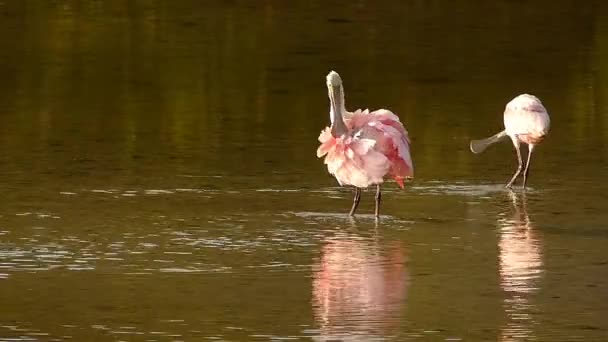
363 147
526 121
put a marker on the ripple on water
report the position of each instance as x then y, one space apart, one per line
102 191
163 246
341 217
24 334
158 192
165 251
461 189
149 192
38 215
278 190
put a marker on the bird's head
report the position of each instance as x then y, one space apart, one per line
333 80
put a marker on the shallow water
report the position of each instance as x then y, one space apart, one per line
159 178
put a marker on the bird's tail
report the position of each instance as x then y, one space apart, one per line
478 146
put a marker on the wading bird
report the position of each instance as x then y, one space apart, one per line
526 121
360 148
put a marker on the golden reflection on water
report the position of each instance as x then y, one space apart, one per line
359 289
521 268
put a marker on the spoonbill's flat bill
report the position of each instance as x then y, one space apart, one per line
362 147
526 121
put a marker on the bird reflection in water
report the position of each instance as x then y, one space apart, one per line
521 267
359 289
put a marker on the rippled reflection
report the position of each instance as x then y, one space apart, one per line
521 267
359 289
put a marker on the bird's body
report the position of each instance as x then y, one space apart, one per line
376 146
526 121
363 147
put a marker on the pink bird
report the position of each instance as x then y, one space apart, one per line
360 148
526 121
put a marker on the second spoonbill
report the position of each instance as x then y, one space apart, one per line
526 121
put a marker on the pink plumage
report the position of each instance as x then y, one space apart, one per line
527 119
377 145
361 148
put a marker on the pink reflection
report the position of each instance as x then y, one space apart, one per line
521 267
359 290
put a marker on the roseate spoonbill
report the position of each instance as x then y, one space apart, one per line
360 147
526 121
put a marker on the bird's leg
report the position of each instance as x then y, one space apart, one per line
355 201
519 167
530 149
378 197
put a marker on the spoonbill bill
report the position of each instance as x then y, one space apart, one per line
526 121
362 147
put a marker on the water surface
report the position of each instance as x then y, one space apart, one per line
159 179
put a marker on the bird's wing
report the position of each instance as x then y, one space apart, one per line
353 161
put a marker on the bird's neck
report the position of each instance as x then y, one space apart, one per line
337 111
338 127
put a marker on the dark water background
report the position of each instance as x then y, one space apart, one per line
159 182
